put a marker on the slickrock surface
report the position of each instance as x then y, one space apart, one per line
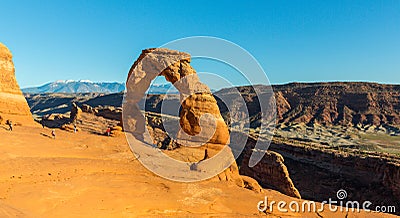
360 158
87 175
13 105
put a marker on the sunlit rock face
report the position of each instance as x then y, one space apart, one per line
13 105
195 97
201 132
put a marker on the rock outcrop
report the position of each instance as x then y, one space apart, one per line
251 184
108 112
369 176
13 105
201 126
270 172
63 121
88 109
86 119
196 98
76 113
55 120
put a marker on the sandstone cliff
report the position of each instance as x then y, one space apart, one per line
319 172
333 103
13 105
270 172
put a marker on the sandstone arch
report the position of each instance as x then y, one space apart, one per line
196 101
196 97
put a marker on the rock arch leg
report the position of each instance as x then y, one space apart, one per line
196 98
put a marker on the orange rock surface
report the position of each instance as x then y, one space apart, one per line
87 175
196 97
13 105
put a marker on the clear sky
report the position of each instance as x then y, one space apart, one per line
293 40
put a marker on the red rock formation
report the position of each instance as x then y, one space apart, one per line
271 171
319 172
201 124
75 113
13 105
196 98
342 103
335 103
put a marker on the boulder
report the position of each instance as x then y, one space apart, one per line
116 131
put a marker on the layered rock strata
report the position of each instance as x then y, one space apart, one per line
13 105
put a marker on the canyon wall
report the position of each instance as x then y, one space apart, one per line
333 103
319 173
270 172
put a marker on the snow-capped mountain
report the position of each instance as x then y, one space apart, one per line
162 89
87 86
80 86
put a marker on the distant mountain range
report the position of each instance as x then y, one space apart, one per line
80 86
86 86
333 103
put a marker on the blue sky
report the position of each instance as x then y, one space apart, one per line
292 40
